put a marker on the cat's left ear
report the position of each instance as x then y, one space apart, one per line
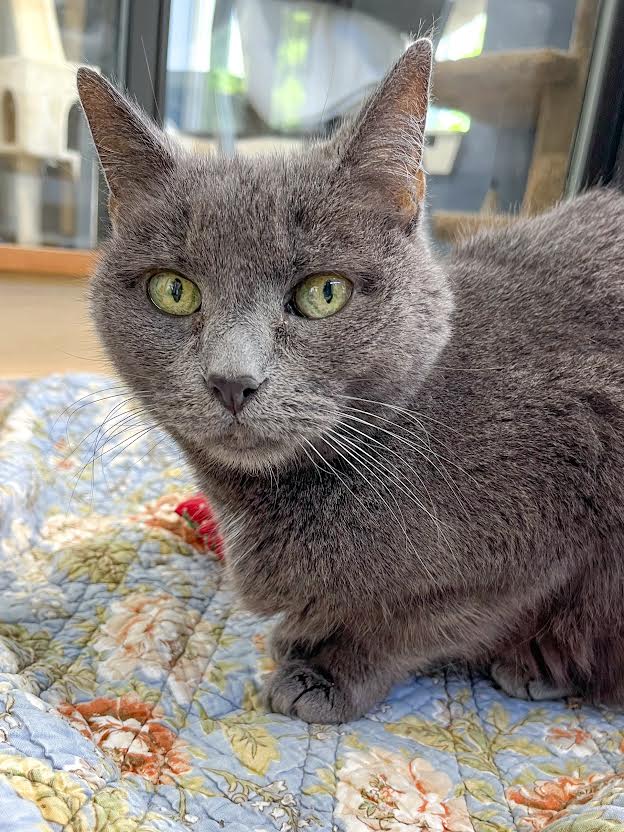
135 154
384 146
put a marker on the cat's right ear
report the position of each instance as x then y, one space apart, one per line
135 154
382 148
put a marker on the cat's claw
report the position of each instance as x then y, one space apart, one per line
300 690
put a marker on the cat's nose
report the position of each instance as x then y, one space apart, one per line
233 393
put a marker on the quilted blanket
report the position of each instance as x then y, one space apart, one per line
129 683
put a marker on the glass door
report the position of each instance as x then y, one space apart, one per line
251 75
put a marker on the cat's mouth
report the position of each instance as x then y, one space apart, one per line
244 448
245 440
249 445
250 457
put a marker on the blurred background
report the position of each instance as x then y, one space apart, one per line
528 107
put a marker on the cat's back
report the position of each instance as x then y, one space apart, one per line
553 282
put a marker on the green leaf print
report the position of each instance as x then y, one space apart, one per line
251 743
427 733
101 561
326 783
499 717
593 822
520 745
207 723
481 790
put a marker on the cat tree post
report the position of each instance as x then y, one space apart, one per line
558 116
38 90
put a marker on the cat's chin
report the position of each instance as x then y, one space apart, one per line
258 459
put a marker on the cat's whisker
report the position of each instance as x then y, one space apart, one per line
336 441
335 473
413 414
151 449
370 590
313 461
425 438
437 460
130 423
132 441
124 392
353 430
119 405
269 468
396 476
76 410
94 458
125 423
441 469
409 544
410 443
109 423
82 398
349 453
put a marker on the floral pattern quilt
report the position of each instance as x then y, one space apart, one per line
130 679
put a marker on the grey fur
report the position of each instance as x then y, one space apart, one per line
468 505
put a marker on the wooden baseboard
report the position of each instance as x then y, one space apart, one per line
45 327
61 262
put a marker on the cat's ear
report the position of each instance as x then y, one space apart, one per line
384 145
135 154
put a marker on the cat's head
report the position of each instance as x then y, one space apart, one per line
244 299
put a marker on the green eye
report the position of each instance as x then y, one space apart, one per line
174 294
322 295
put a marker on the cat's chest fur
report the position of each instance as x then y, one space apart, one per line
302 543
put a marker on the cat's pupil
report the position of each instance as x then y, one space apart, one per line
328 291
176 290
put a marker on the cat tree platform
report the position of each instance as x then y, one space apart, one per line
505 88
521 88
454 226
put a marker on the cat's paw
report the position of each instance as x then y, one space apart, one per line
305 692
517 681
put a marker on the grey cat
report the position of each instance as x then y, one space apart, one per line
414 463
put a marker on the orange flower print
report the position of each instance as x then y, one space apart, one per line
191 520
379 791
146 633
133 734
64 459
571 740
259 642
549 798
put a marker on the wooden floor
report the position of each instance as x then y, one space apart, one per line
45 327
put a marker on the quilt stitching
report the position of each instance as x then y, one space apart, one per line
91 638
179 730
502 779
449 708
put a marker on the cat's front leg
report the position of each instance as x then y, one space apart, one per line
283 646
337 683
286 641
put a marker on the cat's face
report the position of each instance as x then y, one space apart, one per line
310 281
